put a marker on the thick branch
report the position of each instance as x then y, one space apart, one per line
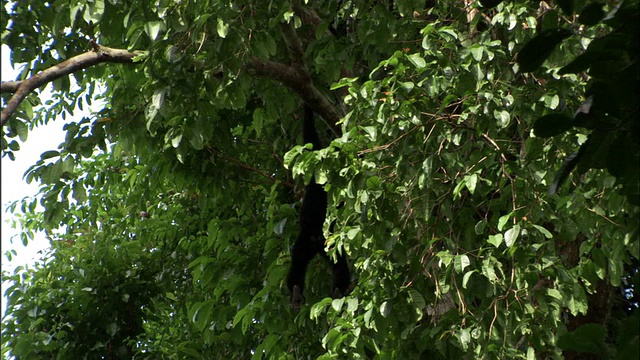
9 86
294 45
310 17
20 89
296 76
300 82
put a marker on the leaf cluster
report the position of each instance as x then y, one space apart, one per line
172 209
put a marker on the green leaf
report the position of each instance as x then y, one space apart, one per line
408 85
112 328
196 139
27 107
464 337
79 192
352 305
466 277
258 120
49 154
352 233
175 140
158 98
188 248
460 263
150 114
552 101
502 221
292 154
417 61
240 315
93 11
554 293
22 130
511 235
503 117
418 302
153 29
73 12
373 183
222 28
385 309
319 308
481 227
336 304
544 231
171 54
470 182
476 52
14 145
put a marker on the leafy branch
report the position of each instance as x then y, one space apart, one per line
297 77
22 88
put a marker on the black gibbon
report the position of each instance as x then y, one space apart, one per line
311 240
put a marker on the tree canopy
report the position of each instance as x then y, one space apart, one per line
481 166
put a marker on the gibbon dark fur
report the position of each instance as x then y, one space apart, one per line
311 240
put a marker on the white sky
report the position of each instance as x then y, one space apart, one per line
41 139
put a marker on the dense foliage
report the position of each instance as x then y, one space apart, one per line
486 154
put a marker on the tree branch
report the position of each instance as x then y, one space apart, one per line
311 18
22 88
294 45
300 82
296 76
